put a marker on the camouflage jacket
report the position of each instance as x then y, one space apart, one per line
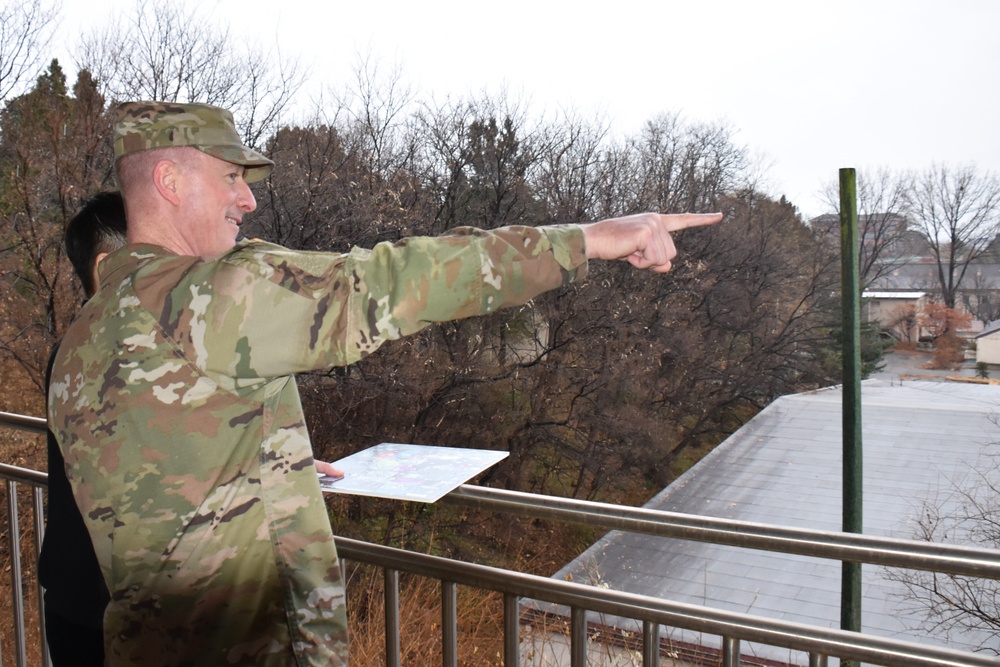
173 401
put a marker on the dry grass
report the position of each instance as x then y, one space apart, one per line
19 393
29 587
480 622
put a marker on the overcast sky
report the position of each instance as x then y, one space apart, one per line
809 86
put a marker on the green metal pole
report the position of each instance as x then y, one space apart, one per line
850 592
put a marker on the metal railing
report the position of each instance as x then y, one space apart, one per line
818 642
36 481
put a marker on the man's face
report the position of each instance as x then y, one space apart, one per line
216 199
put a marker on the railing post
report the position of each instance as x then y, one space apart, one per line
650 644
816 660
38 505
391 597
17 591
511 630
449 624
578 637
730 652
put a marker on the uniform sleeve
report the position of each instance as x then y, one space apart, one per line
267 311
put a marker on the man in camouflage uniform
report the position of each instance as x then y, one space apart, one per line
174 401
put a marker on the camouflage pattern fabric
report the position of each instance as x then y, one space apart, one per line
173 401
141 126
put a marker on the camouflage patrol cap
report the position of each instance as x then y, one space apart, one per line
140 126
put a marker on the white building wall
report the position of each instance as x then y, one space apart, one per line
988 348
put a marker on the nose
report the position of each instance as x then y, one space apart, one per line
246 200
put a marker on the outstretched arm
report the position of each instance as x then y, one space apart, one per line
643 239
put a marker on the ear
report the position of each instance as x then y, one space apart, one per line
166 180
96 276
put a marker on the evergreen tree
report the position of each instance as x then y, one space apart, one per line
53 155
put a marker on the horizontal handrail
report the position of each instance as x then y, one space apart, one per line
13 473
891 552
23 422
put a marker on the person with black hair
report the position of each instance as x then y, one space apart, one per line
75 594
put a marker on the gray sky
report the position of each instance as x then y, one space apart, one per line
809 86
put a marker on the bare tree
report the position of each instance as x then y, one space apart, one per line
376 105
307 200
981 297
573 168
684 166
748 321
958 210
25 32
966 513
474 157
886 240
163 51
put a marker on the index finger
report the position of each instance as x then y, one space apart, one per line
677 221
324 468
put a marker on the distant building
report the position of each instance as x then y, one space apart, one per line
988 344
917 274
890 233
896 312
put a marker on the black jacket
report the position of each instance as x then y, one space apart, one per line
67 566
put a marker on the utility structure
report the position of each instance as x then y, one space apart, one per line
850 593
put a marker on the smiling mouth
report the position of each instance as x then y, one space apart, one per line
234 221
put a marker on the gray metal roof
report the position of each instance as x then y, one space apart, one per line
784 467
992 327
